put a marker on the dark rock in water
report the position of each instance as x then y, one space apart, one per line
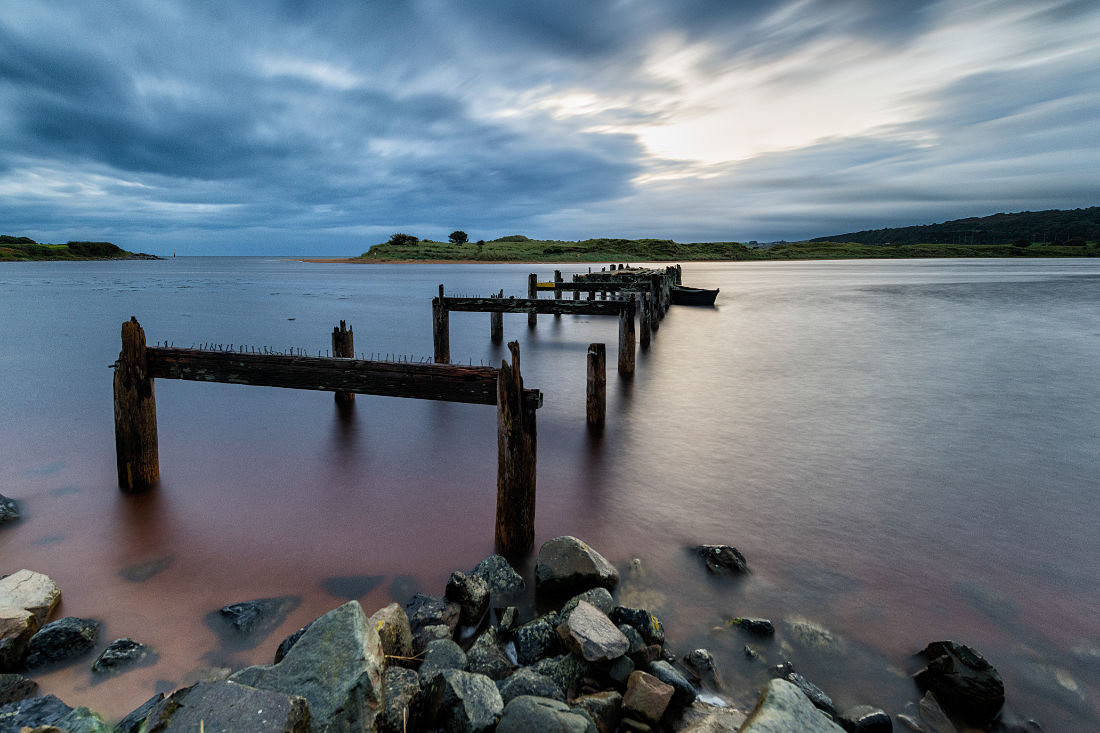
526 713
64 639
286 644
133 720
229 707
336 666
964 683
351 587
403 588
567 565
589 633
143 571
471 593
121 653
9 510
526 681
462 702
700 663
501 578
685 693
424 610
605 709
33 712
249 622
441 655
814 693
16 687
722 559
866 719
486 657
758 626
648 625
535 639
402 696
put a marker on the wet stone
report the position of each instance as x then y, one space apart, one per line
866 719
758 626
501 578
526 681
648 625
684 693
588 632
486 657
962 680
526 713
402 688
425 610
119 654
9 510
62 640
568 565
646 697
247 623
471 593
441 655
703 668
141 572
16 687
722 559
535 639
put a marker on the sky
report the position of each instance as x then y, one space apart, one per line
295 127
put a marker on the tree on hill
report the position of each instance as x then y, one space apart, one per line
459 237
403 240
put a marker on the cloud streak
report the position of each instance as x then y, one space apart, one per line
322 127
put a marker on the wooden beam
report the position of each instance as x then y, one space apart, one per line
516 459
449 382
441 330
535 305
135 401
596 392
626 338
532 294
496 322
343 347
590 286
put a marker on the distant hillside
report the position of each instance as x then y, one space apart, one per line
13 249
1054 226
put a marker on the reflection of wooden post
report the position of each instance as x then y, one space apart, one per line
516 455
596 402
135 414
343 347
532 292
557 293
626 338
441 329
496 322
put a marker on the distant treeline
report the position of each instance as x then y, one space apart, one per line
1056 226
24 248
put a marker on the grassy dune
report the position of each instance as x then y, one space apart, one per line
15 249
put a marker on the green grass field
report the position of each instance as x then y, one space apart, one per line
16 249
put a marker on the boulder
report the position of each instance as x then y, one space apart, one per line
567 565
17 626
700 663
526 713
964 683
64 639
722 559
31 591
424 636
471 593
425 610
286 644
507 618
684 693
249 622
392 624
440 656
932 717
620 670
598 597
758 626
812 636
703 718
9 510
526 681
648 625
501 578
486 657
604 708
866 719
119 654
462 702
48 712
646 697
566 670
336 666
402 688
590 634
16 687
535 639
229 706
812 692
134 719
782 708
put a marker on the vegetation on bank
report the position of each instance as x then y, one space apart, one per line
518 248
14 249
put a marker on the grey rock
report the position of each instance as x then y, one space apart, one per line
440 656
392 624
964 683
703 718
535 639
812 692
758 626
621 669
425 610
134 719
247 623
501 578
566 670
932 717
526 681
9 510
17 627
866 719
813 636
287 643
647 624
598 597
526 713
722 559
684 693
589 633
228 706
604 708
486 657
336 666
702 667
47 710
567 565
426 635
64 639
462 702
471 593
121 653
637 643
783 708
402 698
31 591
16 687
507 618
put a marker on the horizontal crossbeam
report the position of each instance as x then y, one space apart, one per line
533 305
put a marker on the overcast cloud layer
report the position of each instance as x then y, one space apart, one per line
323 127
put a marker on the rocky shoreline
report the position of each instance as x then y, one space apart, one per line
471 660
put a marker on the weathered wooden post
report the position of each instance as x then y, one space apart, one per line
343 347
626 338
135 414
655 290
679 276
516 455
596 402
496 322
646 319
557 293
441 329
532 292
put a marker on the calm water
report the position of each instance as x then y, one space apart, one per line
905 451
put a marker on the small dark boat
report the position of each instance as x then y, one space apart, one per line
683 295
